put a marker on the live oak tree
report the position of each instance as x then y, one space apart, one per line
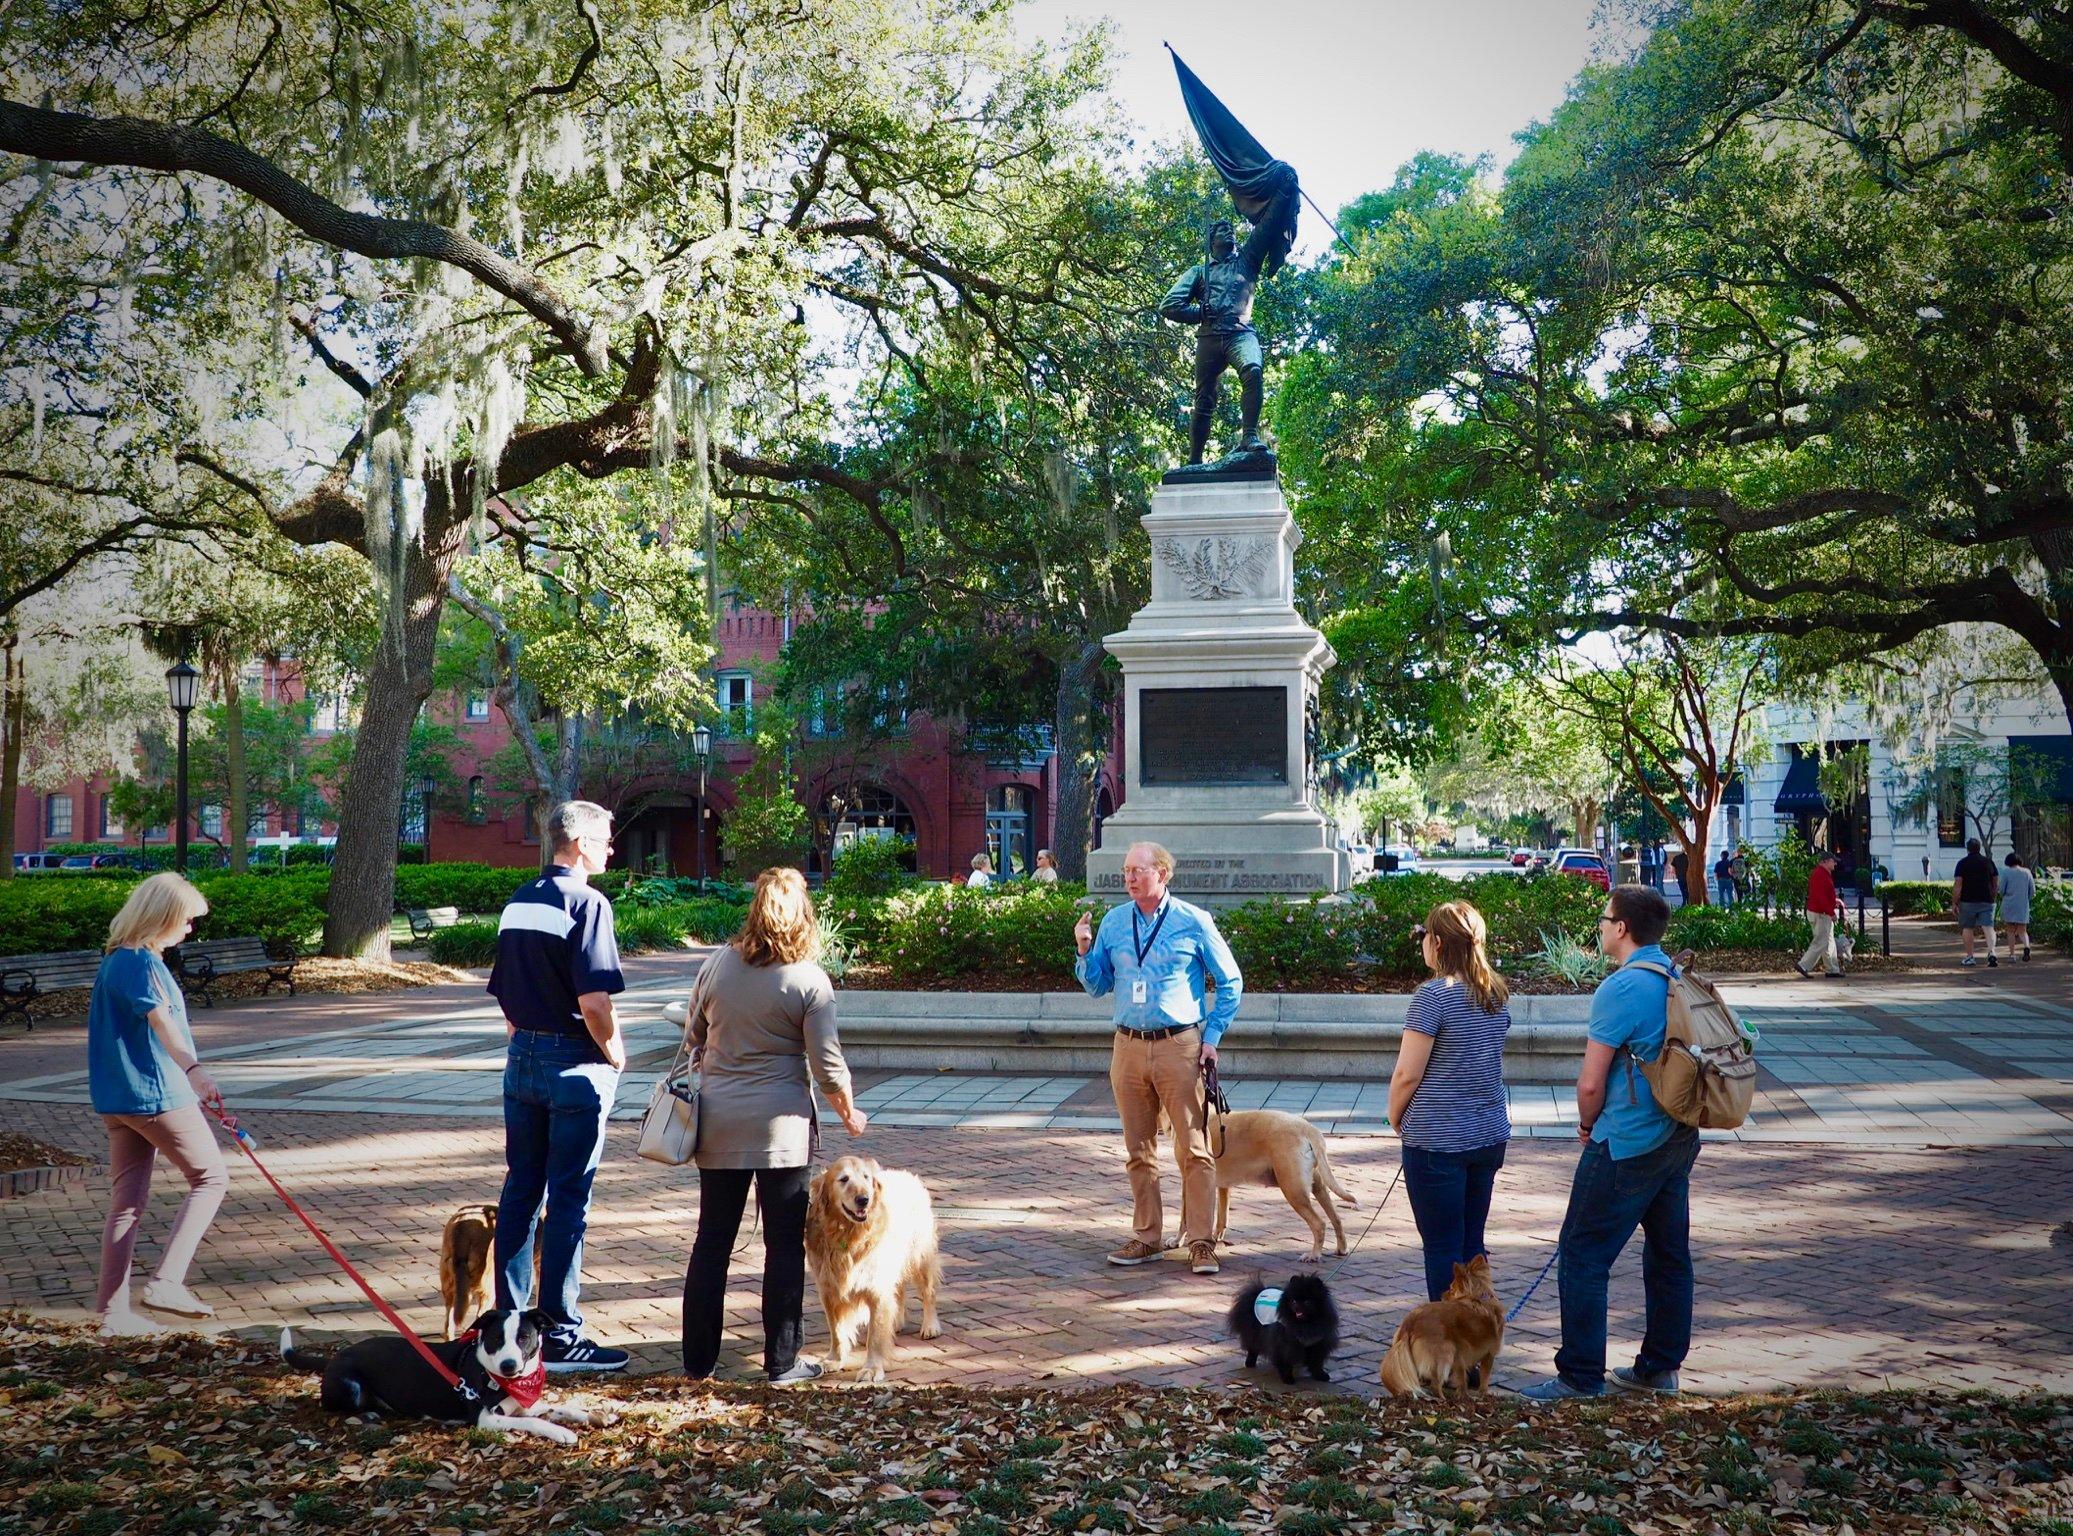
1532 754
540 240
1760 336
595 623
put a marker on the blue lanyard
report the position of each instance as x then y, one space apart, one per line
1144 946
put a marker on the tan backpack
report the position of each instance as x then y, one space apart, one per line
1705 1074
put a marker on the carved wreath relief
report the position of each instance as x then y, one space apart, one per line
1215 568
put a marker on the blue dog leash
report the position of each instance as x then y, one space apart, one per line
1520 1304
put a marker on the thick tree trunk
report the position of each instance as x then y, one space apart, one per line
363 875
1082 732
234 833
14 702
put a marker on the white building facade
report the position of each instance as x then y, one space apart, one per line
1922 798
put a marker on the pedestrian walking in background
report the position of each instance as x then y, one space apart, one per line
1681 867
761 1026
1046 868
556 972
1446 1096
1974 885
1159 955
1635 1171
1824 909
2018 886
1738 871
1724 879
982 872
148 1085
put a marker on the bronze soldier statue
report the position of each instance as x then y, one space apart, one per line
1215 296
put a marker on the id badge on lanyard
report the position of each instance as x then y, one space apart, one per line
1140 989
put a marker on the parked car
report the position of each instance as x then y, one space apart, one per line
1521 857
94 861
1582 863
1397 859
1360 859
39 861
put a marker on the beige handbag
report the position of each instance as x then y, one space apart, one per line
669 1130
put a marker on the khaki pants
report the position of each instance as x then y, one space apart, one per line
1822 951
1147 1075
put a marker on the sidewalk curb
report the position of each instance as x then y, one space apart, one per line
27 1181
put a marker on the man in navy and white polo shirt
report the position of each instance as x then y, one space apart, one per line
557 969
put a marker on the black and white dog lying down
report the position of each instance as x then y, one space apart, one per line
499 1358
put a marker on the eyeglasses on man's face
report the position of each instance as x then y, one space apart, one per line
1606 917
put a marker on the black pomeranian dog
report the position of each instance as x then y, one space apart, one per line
1294 1324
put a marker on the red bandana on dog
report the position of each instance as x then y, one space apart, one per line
523 1390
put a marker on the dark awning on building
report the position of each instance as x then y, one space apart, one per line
1802 788
2050 758
1734 792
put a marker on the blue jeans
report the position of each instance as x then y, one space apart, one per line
1450 1200
558 1089
1726 889
1608 1199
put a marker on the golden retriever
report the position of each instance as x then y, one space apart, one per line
1439 1344
1277 1150
870 1233
466 1251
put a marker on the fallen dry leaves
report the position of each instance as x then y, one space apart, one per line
187 1435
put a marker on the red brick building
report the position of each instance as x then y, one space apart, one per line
913 777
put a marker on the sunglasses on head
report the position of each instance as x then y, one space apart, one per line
1418 931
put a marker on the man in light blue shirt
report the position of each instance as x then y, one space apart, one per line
1158 955
1635 1170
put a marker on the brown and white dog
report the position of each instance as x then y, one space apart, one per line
466 1251
870 1233
1276 1150
1439 1344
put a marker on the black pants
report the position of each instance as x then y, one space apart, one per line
722 1192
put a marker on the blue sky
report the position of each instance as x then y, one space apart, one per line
1345 90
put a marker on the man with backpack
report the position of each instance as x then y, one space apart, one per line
1636 1165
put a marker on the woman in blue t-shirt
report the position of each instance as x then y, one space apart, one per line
148 1086
1446 1097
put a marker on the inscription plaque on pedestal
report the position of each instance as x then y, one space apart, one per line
1210 736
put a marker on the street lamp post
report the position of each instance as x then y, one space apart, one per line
702 749
426 788
183 682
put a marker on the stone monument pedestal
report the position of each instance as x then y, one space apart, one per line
1220 678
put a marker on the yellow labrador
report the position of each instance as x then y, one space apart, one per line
870 1233
1277 1150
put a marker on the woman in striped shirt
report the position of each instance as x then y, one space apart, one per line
1446 1097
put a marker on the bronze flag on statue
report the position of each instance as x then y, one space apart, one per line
1250 174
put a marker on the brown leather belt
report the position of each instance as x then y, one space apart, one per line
1156 1034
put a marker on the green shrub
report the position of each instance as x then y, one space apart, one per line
872 867
286 908
1520 910
1292 943
1715 928
2051 917
464 944
470 887
41 916
1020 929
1917 898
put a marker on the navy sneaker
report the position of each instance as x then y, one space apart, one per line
1625 1378
582 1354
1554 1390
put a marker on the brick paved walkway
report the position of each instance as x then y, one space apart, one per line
1817 1265
1889 1220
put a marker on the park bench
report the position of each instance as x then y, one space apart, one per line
425 921
199 962
24 978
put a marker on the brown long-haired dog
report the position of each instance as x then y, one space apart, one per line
1439 1344
870 1233
466 1250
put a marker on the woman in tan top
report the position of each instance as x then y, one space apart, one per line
761 1024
